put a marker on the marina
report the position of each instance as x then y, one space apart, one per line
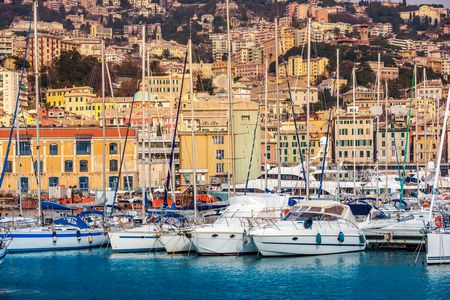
297 183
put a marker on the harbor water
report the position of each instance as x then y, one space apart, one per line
100 274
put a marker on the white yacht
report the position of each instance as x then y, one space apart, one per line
69 233
438 246
228 235
312 227
136 239
176 241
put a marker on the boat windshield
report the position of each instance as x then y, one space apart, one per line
303 213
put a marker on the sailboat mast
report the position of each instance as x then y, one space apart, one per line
149 131
103 125
266 76
230 109
438 160
427 143
338 157
143 126
416 128
191 100
386 145
278 148
172 166
355 129
38 118
19 176
308 100
377 155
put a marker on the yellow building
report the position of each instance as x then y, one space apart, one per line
290 149
297 66
165 86
211 142
360 133
69 157
72 99
160 47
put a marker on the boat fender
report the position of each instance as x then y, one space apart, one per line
90 238
308 224
362 239
78 235
318 239
178 203
54 236
341 237
388 236
439 221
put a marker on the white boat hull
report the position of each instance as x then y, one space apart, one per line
438 247
139 239
291 238
3 253
222 241
44 239
176 242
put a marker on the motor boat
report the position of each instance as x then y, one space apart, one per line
438 246
228 235
176 240
313 227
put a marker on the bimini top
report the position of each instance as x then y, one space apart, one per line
321 207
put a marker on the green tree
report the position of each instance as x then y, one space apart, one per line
364 74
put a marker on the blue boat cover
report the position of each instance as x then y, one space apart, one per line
53 206
74 221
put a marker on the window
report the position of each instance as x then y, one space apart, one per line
68 166
218 139
53 149
24 184
25 148
128 182
219 168
8 167
220 154
113 181
83 147
83 183
268 155
245 118
40 166
53 181
113 148
113 165
83 165
268 148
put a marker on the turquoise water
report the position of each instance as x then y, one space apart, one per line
98 274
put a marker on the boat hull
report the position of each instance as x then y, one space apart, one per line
3 253
438 248
135 240
305 245
29 240
176 242
211 242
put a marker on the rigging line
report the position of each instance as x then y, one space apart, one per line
175 130
8 148
124 147
325 155
294 116
394 143
253 148
118 129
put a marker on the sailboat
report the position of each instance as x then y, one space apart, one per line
67 233
175 239
144 237
438 238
